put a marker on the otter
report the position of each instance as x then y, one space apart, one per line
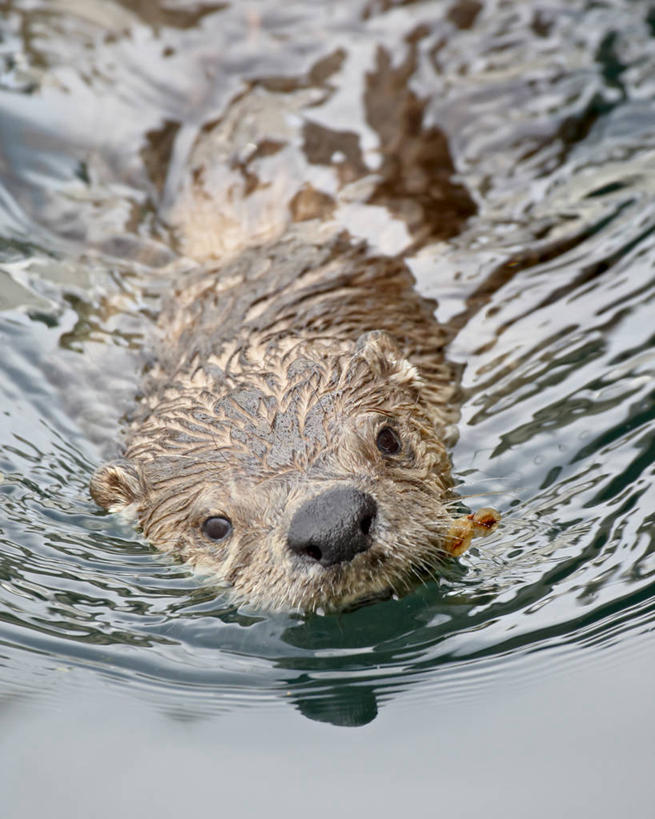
292 432
291 439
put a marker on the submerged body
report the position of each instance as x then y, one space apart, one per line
291 438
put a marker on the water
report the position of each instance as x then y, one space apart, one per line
520 685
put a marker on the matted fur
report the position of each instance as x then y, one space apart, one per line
273 376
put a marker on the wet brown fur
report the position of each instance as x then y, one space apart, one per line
281 360
274 374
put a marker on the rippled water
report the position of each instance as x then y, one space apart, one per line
506 149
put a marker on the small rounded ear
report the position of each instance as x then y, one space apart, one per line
116 485
384 357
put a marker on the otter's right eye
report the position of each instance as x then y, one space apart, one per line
217 528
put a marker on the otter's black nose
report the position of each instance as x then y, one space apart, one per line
333 527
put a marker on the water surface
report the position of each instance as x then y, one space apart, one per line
506 150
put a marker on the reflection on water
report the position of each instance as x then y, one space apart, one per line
506 149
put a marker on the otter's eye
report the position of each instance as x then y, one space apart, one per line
388 442
217 528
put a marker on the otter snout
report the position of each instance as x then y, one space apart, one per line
333 527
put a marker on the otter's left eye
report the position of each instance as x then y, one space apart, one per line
217 528
388 441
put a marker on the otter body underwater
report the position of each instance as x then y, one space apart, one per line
290 437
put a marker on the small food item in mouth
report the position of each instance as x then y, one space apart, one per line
464 529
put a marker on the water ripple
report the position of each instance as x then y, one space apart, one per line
550 123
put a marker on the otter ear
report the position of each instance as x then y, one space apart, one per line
116 485
384 357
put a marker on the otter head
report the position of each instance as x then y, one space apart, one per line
304 475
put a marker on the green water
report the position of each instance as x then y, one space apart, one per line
521 684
